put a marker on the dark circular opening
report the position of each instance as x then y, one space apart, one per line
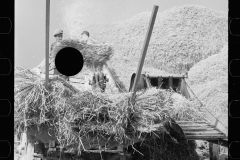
69 61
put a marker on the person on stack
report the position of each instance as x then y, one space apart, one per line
85 36
58 34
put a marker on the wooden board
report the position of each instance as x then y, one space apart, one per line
200 131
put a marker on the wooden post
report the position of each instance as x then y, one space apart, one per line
214 151
144 51
30 151
47 42
170 82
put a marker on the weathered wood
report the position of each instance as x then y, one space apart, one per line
155 75
215 122
214 150
196 125
144 51
204 137
193 128
190 122
215 133
212 120
170 82
47 41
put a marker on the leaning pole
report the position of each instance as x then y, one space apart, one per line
144 52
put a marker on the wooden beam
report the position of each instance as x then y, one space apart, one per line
202 132
205 137
144 51
47 42
170 82
187 129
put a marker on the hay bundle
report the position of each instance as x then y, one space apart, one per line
95 55
86 120
186 110
108 120
34 104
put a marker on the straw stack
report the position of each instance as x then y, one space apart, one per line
85 120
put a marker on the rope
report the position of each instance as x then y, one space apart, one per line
203 105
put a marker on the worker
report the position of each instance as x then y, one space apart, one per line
58 34
85 36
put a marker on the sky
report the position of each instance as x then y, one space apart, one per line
73 15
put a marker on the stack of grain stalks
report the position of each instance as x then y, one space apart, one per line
95 54
209 80
182 36
86 120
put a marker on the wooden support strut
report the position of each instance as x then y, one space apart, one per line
144 51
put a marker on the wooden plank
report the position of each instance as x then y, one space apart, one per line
165 76
213 121
214 151
204 137
196 125
197 128
215 133
204 127
203 131
190 122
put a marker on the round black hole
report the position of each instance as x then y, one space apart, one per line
69 61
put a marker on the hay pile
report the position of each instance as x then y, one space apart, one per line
34 104
182 36
85 120
95 54
209 81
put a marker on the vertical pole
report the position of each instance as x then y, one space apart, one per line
144 50
47 42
